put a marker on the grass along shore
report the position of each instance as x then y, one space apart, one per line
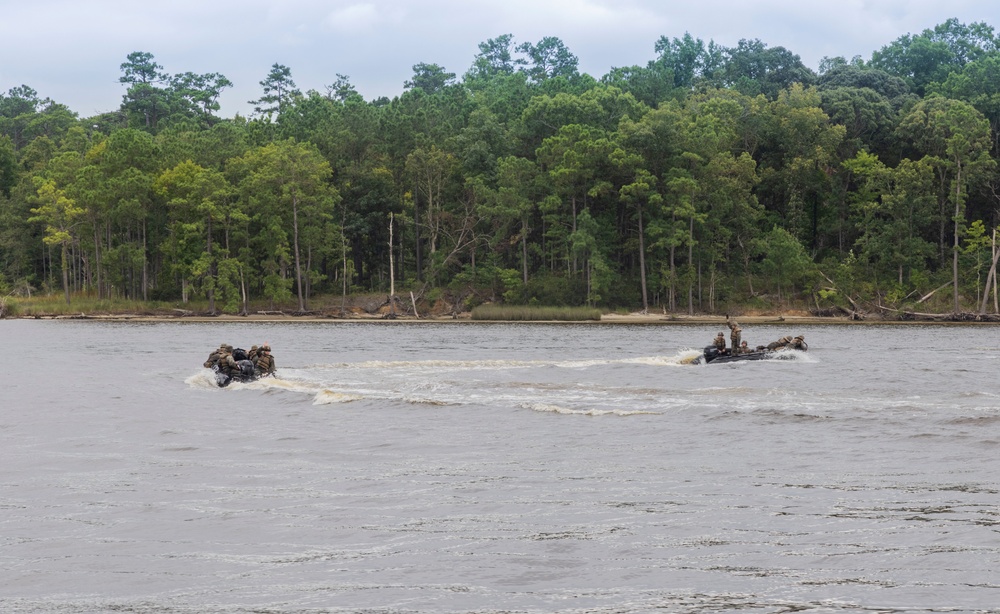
369 308
357 307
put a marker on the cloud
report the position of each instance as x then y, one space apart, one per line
376 42
351 19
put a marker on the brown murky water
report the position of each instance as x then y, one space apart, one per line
498 468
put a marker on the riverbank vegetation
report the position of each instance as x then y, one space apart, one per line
708 180
518 313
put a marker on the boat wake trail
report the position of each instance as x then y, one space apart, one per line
682 357
565 387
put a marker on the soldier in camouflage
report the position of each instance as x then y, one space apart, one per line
227 364
265 362
734 334
213 358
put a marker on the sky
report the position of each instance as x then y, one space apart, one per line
71 51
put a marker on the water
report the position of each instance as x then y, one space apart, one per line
423 467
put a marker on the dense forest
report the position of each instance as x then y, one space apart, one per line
711 177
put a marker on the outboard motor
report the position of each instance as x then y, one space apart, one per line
711 353
245 373
246 370
221 379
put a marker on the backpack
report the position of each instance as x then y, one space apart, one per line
239 354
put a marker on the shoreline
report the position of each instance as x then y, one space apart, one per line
464 318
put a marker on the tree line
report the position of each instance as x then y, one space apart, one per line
708 178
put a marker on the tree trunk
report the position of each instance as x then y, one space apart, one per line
642 265
343 250
691 264
97 262
991 280
996 307
392 273
954 259
671 290
211 269
295 236
65 272
573 201
416 233
145 265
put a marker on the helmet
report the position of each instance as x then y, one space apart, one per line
265 348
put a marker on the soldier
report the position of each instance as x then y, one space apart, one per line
265 362
734 334
227 364
213 358
780 343
252 354
799 343
720 342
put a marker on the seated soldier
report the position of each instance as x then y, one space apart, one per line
213 358
265 362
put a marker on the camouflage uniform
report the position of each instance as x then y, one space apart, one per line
265 362
227 364
780 343
213 358
734 334
720 342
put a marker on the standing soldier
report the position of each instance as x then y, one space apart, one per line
734 335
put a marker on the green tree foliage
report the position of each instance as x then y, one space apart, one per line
144 100
200 202
430 78
928 57
753 68
786 264
549 58
279 90
703 178
955 138
61 217
286 186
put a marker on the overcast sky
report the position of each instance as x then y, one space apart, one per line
71 50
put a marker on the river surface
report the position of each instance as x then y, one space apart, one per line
424 467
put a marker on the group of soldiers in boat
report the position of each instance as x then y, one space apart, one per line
232 362
740 347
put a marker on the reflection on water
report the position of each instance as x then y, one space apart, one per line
498 468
